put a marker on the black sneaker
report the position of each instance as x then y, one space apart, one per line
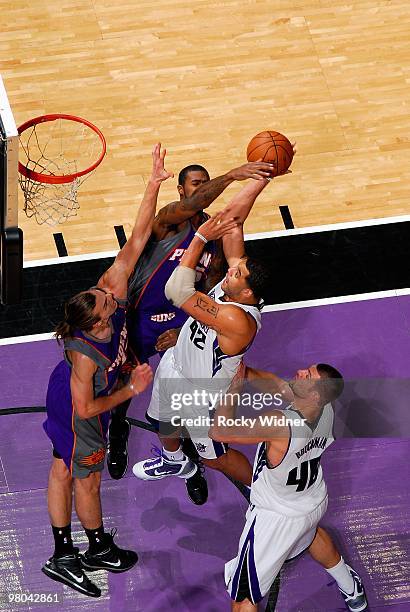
117 451
188 448
68 570
197 487
112 558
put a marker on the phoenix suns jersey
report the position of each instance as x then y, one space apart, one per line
150 313
81 442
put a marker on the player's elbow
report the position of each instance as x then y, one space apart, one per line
180 285
82 411
170 289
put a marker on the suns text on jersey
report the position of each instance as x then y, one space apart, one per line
122 350
203 263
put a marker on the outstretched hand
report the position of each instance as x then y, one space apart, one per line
216 226
295 150
258 170
158 171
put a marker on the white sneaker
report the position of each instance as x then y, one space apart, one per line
356 601
160 466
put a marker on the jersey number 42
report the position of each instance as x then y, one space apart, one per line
197 336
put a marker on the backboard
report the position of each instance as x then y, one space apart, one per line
11 235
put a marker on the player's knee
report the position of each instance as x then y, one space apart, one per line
60 472
91 484
218 463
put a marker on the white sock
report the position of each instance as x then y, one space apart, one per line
342 576
177 455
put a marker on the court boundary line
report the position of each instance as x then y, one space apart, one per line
314 229
329 301
317 229
341 299
34 263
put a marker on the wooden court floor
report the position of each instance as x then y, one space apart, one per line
203 76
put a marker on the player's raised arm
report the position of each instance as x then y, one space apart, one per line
242 202
116 277
203 196
240 207
227 320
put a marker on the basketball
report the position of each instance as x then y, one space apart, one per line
271 147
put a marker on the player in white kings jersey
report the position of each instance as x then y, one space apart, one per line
207 354
288 492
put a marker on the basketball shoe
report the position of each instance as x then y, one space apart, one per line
68 570
117 450
356 601
112 558
196 485
160 467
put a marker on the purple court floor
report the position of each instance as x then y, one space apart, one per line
182 547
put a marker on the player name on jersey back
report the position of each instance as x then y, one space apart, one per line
315 443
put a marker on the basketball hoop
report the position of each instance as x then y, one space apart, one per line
61 152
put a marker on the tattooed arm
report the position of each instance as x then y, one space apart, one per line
205 194
235 328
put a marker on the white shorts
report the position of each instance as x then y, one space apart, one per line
165 407
267 541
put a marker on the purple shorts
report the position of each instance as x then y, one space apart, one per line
81 443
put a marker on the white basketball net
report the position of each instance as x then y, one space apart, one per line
56 148
51 204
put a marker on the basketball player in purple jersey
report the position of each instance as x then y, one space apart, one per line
82 390
152 320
